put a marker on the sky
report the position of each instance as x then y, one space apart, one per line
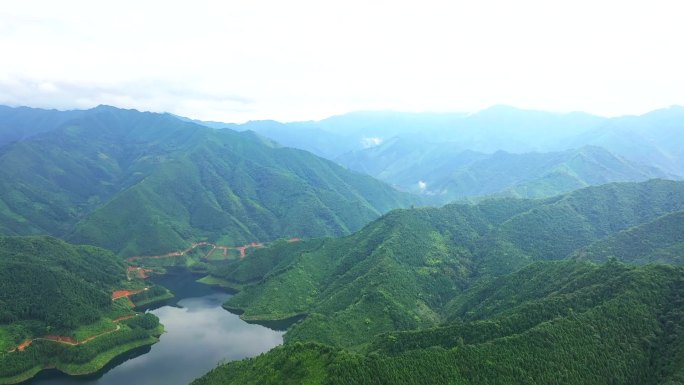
235 61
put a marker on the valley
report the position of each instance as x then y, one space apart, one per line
198 335
175 251
341 193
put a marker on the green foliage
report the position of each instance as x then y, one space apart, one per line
47 353
143 184
146 321
49 287
293 364
553 322
405 269
561 225
661 240
153 294
59 285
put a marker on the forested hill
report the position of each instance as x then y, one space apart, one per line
140 183
55 285
551 323
491 293
660 240
57 310
400 271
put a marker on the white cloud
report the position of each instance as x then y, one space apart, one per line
422 186
371 141
305 59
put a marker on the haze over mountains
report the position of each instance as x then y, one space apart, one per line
498 151
497 128
445 174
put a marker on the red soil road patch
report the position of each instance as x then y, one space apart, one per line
142 273
293 240
22 346
225 249
62 339
124 293
139 271
242 250
69 340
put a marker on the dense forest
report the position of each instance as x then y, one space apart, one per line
400 271
56 284
486 293
143 183
51 289
578 288
550 323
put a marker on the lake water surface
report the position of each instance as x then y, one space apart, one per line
199 335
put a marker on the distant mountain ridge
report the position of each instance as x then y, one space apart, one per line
496 128
653 140
436 169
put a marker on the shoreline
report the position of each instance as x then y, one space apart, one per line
88 368
101 360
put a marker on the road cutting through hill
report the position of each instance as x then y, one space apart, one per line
69 340
225 250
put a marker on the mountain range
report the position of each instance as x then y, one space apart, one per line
541 270
138 182
654 139
498 151
438 171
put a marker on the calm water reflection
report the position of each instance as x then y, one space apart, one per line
199 335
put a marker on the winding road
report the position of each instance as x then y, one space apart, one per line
68 340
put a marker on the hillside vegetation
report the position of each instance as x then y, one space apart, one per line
660 240
400 271
474 294
144 183
51 290
553 322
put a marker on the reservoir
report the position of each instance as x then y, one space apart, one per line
199 334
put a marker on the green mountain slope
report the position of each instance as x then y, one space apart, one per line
55 283
446 173
141 183
53 180
561 322
661 240
52 290
398 272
